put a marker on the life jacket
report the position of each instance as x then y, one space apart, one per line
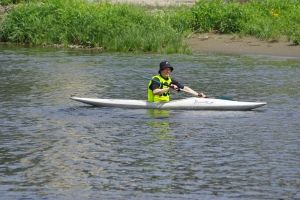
165 97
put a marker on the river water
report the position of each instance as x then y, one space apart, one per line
54 148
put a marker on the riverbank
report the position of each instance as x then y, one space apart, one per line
204 43
228 44
231 44
224 43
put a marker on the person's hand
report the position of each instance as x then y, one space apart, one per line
174 87
201 95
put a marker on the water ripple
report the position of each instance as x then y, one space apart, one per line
52 147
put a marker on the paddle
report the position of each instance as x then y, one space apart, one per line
179 89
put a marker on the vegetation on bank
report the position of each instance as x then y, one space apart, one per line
124 27
121 27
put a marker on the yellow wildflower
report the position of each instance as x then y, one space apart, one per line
274 13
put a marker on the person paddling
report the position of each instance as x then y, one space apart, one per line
161 93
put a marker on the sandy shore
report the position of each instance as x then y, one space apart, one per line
214 43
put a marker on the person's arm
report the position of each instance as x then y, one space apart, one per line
156 90
188 88
160 91
202 95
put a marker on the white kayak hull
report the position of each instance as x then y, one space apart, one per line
192 103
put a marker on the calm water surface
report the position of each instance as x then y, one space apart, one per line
55 148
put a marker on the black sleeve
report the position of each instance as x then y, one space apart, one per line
174 82
154 85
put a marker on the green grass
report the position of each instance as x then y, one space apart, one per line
121 27
265 19
125 28
8 2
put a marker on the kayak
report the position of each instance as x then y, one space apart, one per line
193 103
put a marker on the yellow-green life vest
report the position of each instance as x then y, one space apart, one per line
165 97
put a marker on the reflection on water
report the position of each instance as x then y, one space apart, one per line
52 147
160 126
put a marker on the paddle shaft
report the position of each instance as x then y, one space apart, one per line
179 89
